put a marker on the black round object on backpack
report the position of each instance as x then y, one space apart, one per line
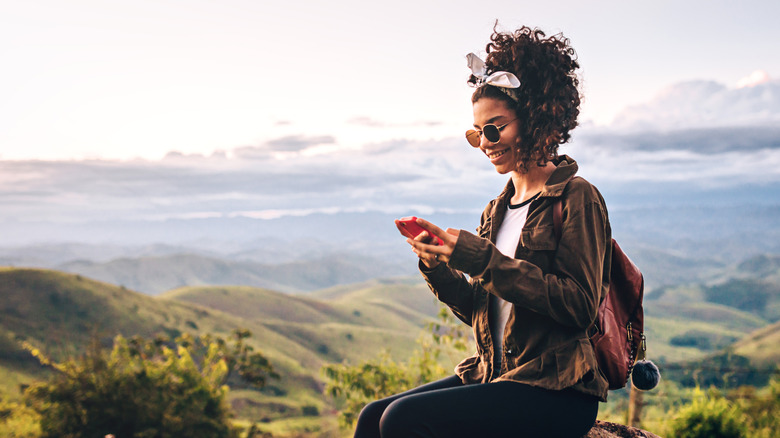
645 375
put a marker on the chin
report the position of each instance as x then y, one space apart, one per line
504 169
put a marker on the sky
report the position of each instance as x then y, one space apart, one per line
121 80
130 117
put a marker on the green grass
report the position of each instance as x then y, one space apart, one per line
258 304
761 346
299 427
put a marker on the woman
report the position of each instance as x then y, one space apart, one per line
529 293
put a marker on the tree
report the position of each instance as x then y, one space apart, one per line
147 388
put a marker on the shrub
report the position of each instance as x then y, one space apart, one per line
762 408
708 416
353 386
18 421
311 411
147 388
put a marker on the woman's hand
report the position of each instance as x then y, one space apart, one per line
430 253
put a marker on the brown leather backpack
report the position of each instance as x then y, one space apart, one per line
617 334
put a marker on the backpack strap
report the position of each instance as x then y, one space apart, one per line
558 219
558 229
558 216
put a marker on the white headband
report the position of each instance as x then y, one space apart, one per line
503 80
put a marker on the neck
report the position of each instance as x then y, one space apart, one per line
531 182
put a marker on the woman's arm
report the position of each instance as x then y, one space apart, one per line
451 288
571 292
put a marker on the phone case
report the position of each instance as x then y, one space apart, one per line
412 228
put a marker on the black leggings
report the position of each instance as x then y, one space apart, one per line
448 408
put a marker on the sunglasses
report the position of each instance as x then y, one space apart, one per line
491 132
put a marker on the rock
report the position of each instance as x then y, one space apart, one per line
603 429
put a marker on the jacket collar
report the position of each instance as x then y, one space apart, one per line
565 169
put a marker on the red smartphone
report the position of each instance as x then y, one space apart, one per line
410 228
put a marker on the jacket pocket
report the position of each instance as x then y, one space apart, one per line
472 370
574 362
533 370
539 238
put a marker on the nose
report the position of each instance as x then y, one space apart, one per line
483 141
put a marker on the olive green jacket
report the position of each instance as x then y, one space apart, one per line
555 287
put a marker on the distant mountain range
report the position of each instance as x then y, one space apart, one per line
154 270
156 274
675 239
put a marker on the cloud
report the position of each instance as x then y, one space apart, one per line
295 143
287 144
397 176
179 186
703 157
688 170
700 133
706 104
374 123
176 156
291 144
366 121
758 77
252 153
702 140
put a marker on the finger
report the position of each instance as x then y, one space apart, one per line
433 230
420 248
431 259
424 237
429 226
428 250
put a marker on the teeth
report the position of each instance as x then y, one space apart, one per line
498 154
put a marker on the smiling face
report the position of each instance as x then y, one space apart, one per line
503 154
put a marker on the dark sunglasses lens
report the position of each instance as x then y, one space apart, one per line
473 137
491 133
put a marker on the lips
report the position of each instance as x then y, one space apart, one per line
497 154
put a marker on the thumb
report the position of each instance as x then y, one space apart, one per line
453 232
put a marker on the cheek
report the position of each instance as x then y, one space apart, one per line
512 134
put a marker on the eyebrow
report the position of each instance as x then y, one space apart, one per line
491 120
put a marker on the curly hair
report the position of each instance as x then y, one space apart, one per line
548 97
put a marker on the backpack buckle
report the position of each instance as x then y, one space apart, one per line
593 330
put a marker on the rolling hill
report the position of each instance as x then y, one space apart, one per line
59 313
156 274
761 346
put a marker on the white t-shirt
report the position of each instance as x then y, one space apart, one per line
506 241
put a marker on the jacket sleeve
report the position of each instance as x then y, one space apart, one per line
570 293
453 288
